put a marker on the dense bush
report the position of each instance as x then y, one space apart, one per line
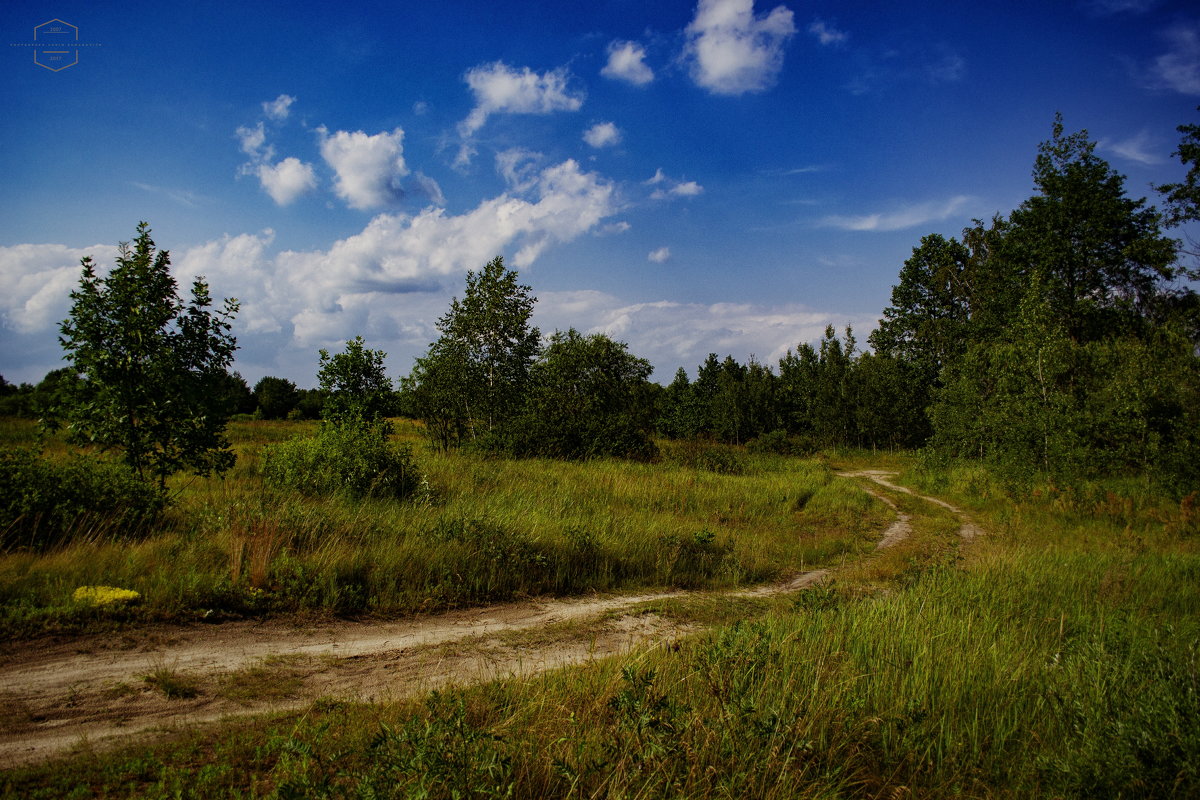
43 503
353 459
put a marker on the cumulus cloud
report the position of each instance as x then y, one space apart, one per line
602 134
659 256
731 51
672 334
827 34
1140 148
667 188
398 253
368 168
36 281
1178 69
279 108
500 89
287 180
900 219
627 62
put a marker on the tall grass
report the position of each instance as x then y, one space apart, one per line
482 530
1057 656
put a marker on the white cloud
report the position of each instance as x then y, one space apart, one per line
397 253
252 141
519 167
1140 148
500 89
287 180
901 219
1178 69
827 34
613 228
669 187
36 281
427 187
627 62
369 168
279 108
660 255
602 134
731 51
672 334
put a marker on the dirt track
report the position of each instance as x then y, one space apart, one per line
91 691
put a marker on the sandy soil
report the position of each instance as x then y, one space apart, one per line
92 691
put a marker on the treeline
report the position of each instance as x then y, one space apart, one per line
826 396
271 397
1062 340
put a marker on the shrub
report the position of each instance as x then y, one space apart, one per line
353 459
43 503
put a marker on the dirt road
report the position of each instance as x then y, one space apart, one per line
93 691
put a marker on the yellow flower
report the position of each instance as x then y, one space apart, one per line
104 595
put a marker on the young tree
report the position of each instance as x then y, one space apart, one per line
152 366
475 375
355 383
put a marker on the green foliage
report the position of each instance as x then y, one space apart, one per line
588 397
355 384
276 397
352 459
926 324
475 375
1102 255
45 503
153 368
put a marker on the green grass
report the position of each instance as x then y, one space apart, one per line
484 530
1056 656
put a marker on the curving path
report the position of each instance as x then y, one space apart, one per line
90 692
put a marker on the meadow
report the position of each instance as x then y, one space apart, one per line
481 530
1056 655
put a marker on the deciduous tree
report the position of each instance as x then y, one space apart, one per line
152 366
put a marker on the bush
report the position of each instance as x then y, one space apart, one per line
44 503
353 459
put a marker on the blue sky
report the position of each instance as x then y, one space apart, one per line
725 176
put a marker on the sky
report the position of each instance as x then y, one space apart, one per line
726 176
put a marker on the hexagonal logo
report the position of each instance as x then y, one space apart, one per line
56 45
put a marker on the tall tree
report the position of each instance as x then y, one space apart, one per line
475 375
926 324
1103 256
152 366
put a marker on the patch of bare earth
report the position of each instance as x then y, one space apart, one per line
99 691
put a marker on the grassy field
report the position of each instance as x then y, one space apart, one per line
1056 656
483 530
